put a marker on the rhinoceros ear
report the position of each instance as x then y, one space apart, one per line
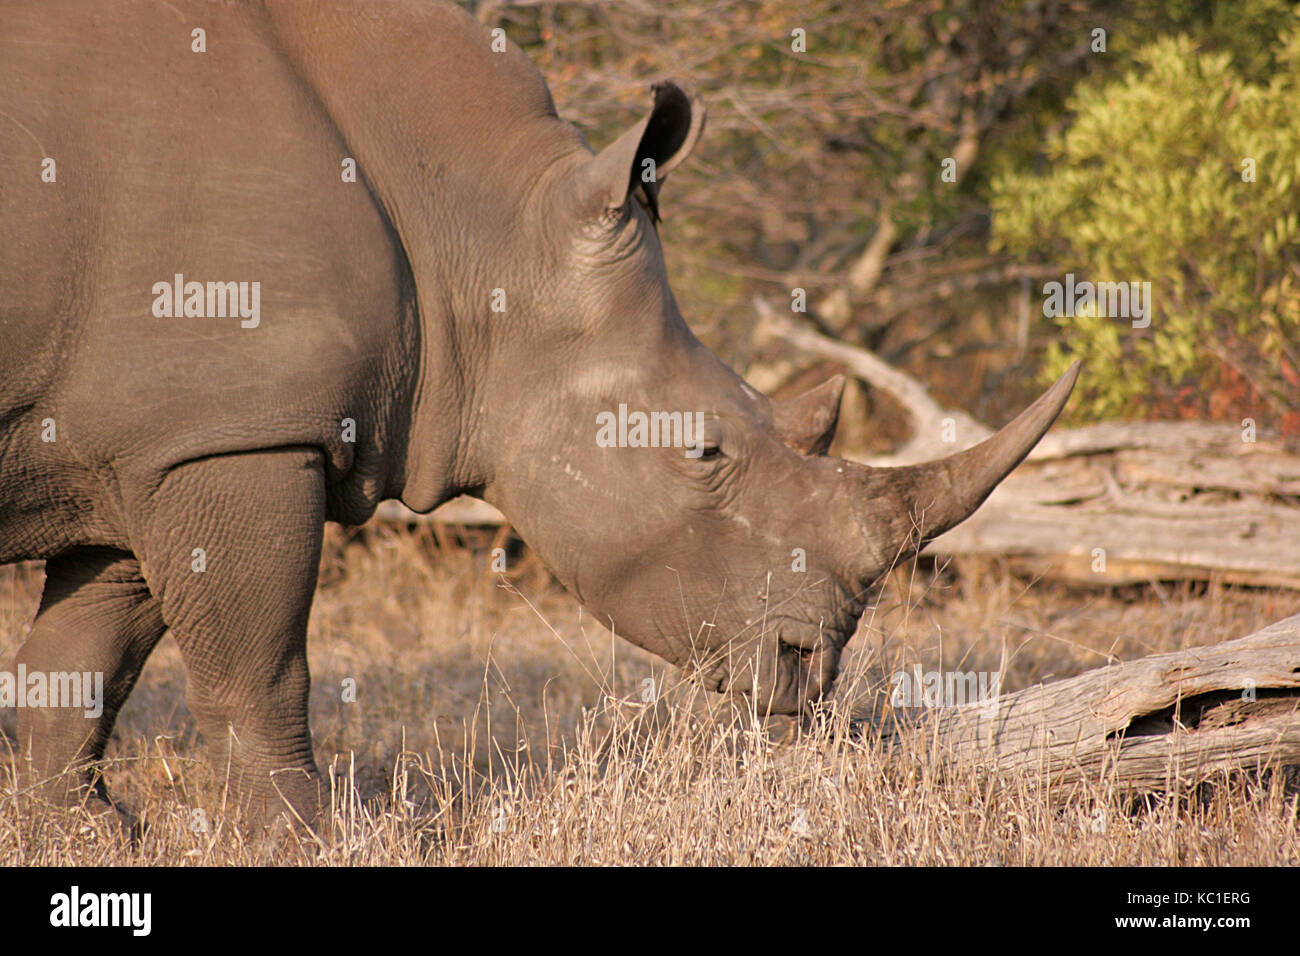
807 423
644 155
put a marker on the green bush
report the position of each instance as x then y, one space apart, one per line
1150 183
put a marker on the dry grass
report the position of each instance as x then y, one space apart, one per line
495 724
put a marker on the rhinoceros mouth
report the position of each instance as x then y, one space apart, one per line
785 670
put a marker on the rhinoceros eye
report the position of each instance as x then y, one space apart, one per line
710 440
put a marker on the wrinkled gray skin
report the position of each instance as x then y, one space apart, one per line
180 433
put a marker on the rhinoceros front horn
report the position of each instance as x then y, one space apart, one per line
900 509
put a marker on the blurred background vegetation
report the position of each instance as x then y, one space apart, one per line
923 168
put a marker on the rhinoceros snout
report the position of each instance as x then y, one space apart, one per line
780 676
815 671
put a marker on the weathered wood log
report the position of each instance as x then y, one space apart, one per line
1133 502
1157 723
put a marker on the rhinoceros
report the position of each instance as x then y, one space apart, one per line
266 265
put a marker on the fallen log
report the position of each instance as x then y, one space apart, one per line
1134 510
1158 723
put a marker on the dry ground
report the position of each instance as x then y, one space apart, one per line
494 723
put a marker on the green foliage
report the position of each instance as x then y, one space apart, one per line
1147 185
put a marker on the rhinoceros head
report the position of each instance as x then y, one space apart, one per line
693 515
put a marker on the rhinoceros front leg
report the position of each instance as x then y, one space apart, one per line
96 626
231 546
